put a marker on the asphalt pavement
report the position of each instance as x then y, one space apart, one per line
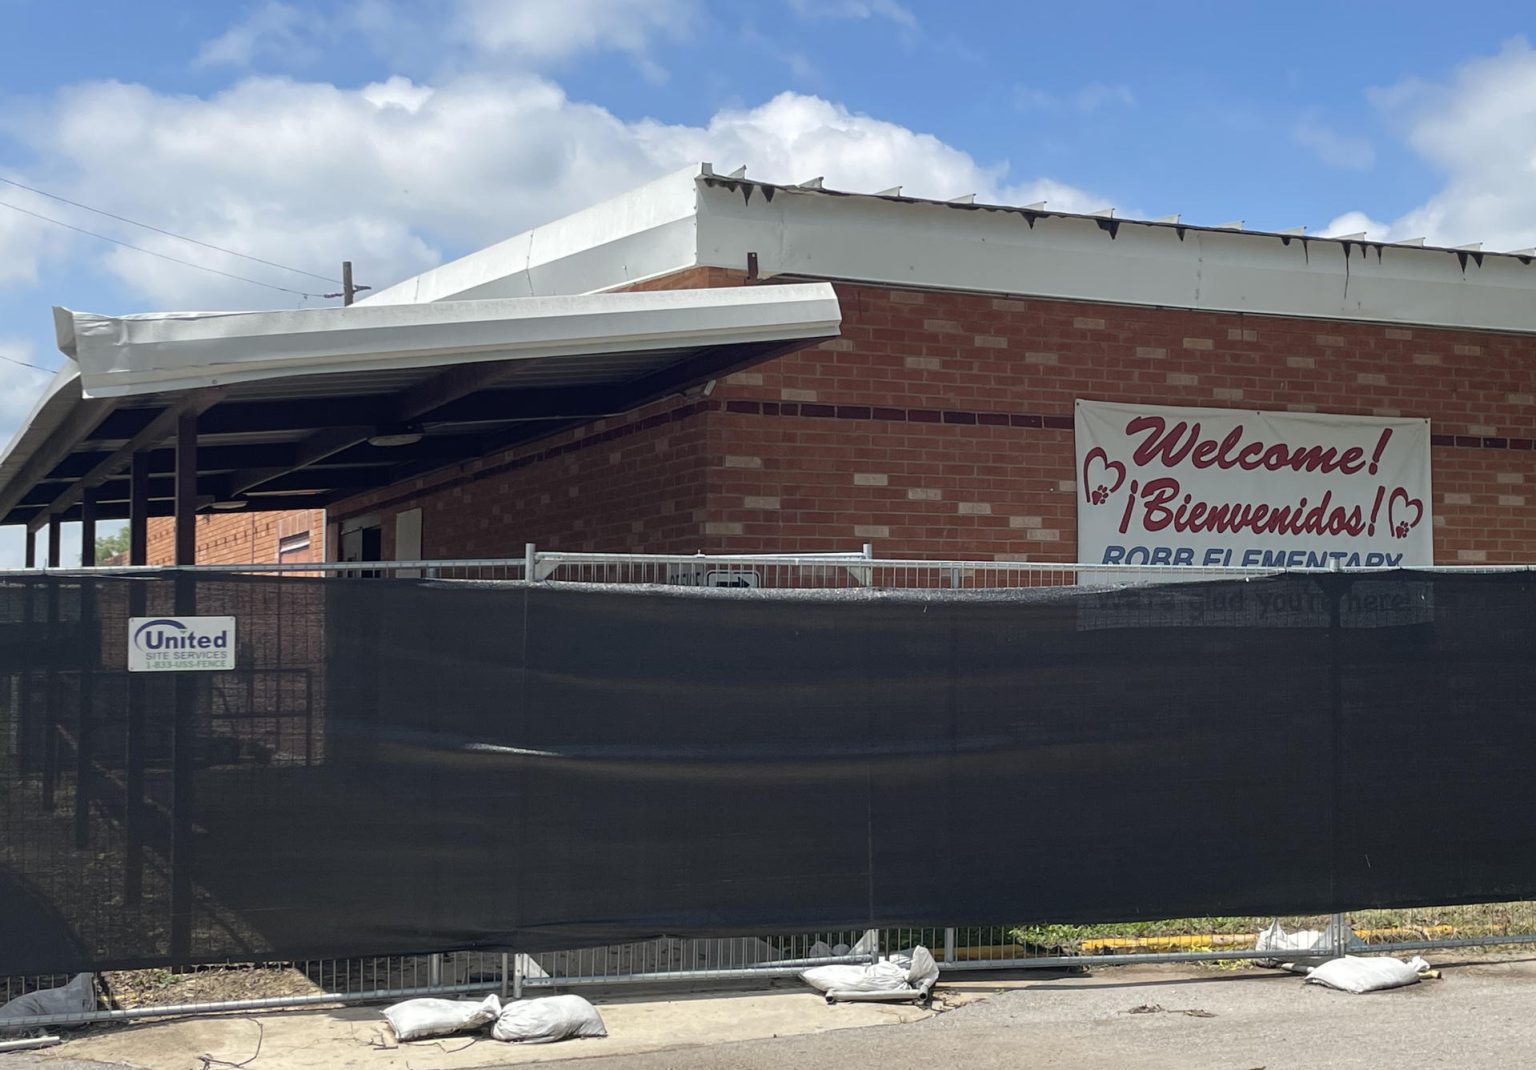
1131 1018
1149 1019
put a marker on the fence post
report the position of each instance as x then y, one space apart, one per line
517 975
435 970
51 701
506 974
873 936
1340 933
530 562
90 644
133 780
949 944
1338 924
183 771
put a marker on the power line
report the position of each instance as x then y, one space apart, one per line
24 364
161 230
151 252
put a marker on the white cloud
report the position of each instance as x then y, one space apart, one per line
1333 148
855 9
1356 223
272 31
546 29
1479 130
396 174
794 137
1090 98
20 385
25 241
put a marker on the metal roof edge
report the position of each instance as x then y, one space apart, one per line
60 402
642 233
813 232
1107 221
130 355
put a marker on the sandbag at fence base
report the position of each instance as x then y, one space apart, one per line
418 1019
896 975
1360 975
77 997
546 1020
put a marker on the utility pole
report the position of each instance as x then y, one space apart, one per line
349 290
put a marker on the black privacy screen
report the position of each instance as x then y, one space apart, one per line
407 765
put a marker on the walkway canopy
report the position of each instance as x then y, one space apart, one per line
193 411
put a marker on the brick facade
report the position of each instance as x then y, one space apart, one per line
244 538
940 425
632 484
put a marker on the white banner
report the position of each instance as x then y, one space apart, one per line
1172 486
181 644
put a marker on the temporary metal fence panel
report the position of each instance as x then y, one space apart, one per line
258 709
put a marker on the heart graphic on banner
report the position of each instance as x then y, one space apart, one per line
1401 525
1097 469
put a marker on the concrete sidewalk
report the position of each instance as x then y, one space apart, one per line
1141 1017
359 1037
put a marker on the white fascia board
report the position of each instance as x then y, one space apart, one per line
125 355
646 232
1010 251
60 398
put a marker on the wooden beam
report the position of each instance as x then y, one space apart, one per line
186 489
260 503
312 450
534 403
293 414
76 428
209 459
405 407
460 381
138 510
88 530
153 433
712 363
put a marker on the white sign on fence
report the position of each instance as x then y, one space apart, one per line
1174 486
181 644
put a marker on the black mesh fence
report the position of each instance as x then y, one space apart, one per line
408 765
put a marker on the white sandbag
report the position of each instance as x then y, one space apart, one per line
77 997
1317 941
867 944
417 1019
923 973
882 976
901 972
1359 975
1302 949
546 1020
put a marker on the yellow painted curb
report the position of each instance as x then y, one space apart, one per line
1111 945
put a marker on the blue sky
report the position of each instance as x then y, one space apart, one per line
399 133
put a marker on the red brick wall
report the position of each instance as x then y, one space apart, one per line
940 425
633 484
241 538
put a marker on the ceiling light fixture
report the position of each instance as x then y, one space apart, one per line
391 435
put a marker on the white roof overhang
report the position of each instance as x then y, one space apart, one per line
288 401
